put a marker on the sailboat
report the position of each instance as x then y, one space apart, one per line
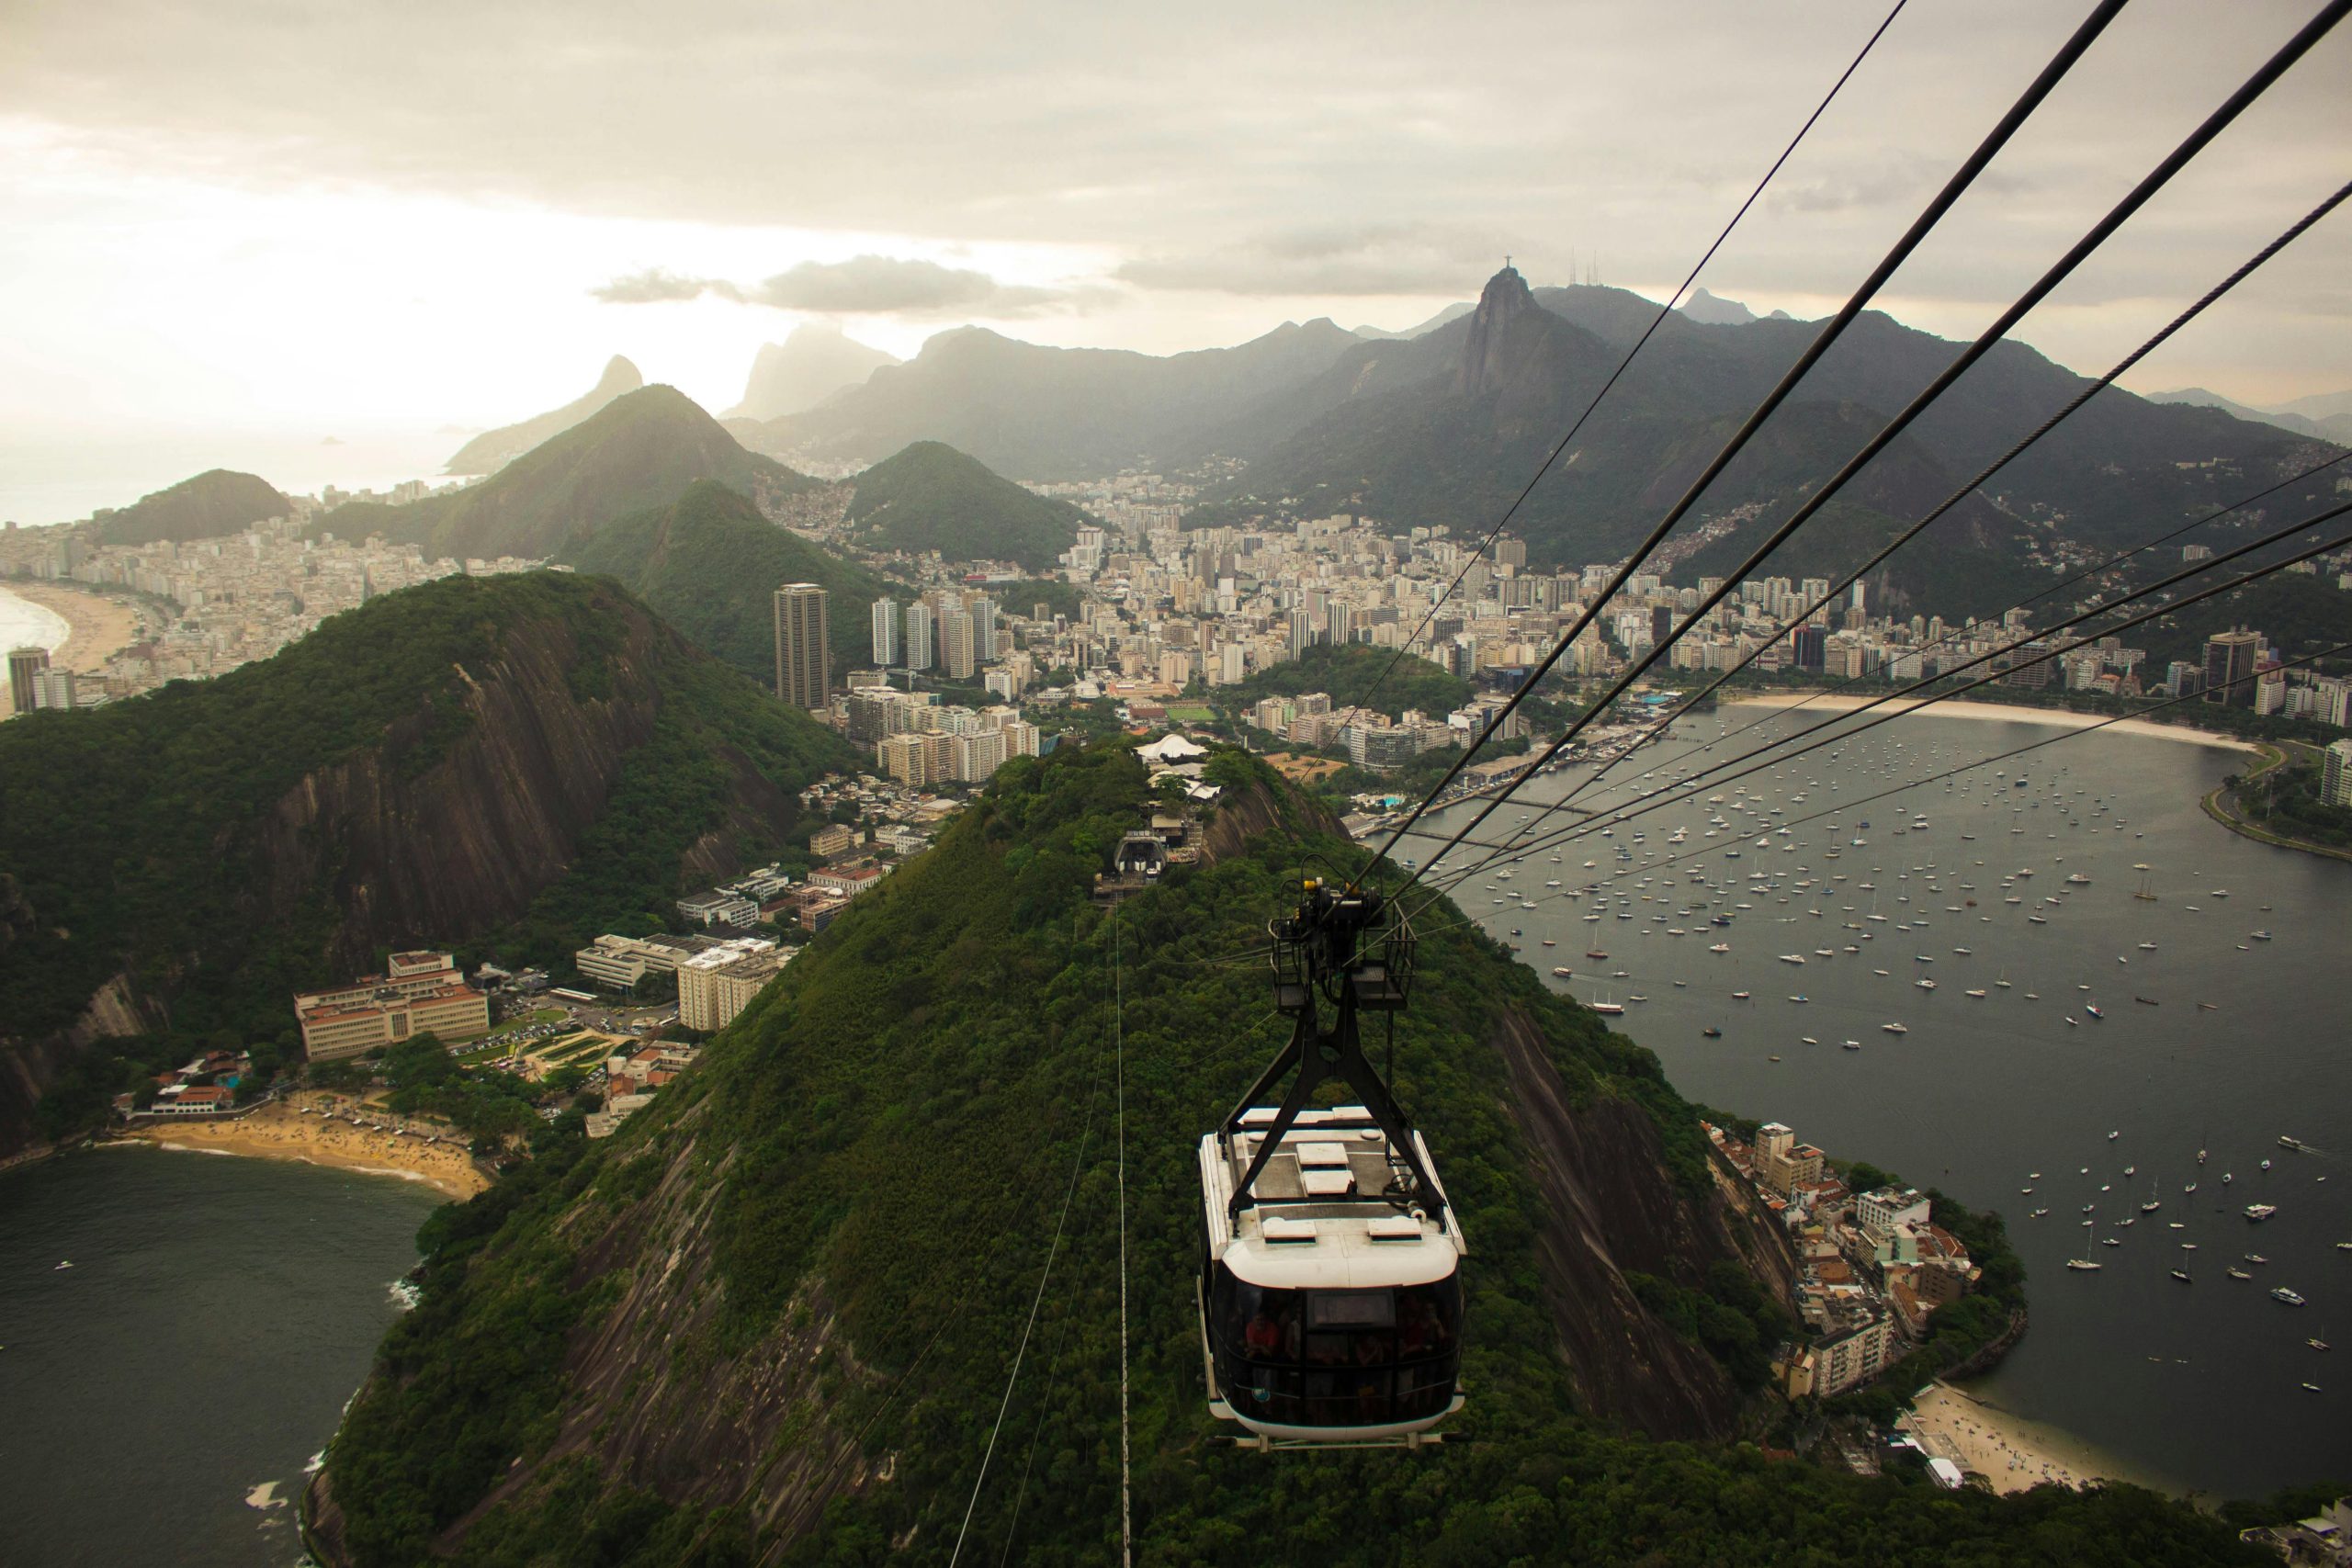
2145 894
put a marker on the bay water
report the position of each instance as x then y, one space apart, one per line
2200 1384
160 1399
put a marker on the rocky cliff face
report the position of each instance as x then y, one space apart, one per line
1503 309
1611 1210
463 846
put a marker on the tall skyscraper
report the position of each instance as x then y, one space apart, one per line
803 662
24 665
919 639
2229 657
886 633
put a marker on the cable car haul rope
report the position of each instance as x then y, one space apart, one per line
1330 1290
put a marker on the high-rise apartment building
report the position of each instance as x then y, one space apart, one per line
957 655
919 636
886 633
2229 667
2336 773
24 665
803 661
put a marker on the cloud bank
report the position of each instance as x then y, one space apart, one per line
861 286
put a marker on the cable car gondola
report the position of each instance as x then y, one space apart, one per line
1330 1290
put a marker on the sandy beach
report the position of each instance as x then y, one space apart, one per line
2007 1451
294 1131
2058 718
100 627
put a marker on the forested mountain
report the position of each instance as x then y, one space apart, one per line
1054 414
1446 428
638 453
2300 614
802 371
215 502
710 564
932 497
530 758
772 1319
494 449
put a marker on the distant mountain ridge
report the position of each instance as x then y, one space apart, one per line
211 505
1452 312
805 370
1445 429
1445 425
2329 417
494 449
1033 412
1712 311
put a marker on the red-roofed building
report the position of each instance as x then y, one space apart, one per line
847 880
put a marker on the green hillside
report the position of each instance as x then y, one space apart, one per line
710 565
932 497
214 502
773 1320
2301 615
1351 673
220 844
638 452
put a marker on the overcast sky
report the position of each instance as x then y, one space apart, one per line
322 215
